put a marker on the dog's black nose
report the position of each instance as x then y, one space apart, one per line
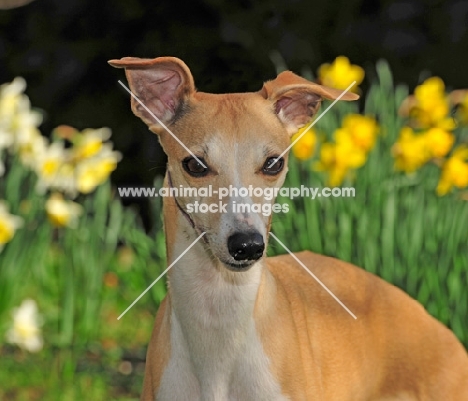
246 246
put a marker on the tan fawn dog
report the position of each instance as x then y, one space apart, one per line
236 325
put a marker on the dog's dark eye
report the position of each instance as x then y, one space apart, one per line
194 167
272 168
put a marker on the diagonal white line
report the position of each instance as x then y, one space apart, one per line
162 274
161 123
313 123
314 276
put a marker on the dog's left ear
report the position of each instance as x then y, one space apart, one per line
296 99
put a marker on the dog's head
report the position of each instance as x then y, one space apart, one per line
227 141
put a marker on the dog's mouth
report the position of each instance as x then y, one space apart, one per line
239 266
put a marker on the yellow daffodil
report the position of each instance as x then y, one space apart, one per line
362 130
410 151
304 148
26 329
339 158
429 106
430 90
413 150
438 141
340 74
353 141
347 153
94 171
8 225
61 212
328 163
90 142
454 171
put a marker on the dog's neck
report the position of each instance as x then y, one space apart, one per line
204 293
212 308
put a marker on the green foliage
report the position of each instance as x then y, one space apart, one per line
64 270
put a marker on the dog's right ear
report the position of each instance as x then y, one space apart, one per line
163 85
296 100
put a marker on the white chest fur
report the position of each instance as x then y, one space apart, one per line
216 354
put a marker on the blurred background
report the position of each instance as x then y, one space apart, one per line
62 48
407 214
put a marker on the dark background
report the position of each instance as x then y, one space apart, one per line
61 48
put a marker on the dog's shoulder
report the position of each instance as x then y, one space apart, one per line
368 296
300 268
354 286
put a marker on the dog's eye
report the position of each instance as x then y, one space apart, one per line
194 167
272 168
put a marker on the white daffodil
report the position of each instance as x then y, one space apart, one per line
48 165
18 123
6 136
26 330
10 96
11 101
8 225
90 142
65 180
61 212
32 148
92 172
25 125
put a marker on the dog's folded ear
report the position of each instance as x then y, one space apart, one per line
296 99
163 85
